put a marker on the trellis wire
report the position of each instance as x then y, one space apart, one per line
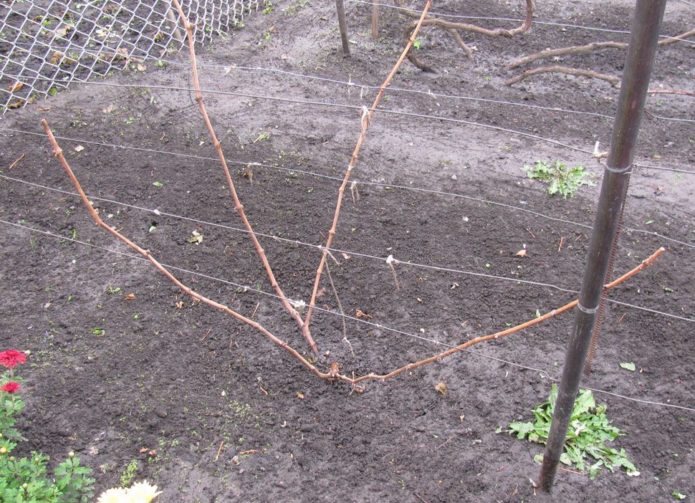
387 111
358 181
73 41
543 373
351 253
228 68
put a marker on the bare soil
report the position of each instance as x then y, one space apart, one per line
231 417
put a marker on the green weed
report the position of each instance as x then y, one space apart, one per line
129 472
587 435
559 178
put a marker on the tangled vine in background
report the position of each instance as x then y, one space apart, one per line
333 372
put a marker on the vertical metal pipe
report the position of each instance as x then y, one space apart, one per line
638 66
375 19
343 26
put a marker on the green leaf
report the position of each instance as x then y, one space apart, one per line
521 429
628 366
560 179
158 184
589 432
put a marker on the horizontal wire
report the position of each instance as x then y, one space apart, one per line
431 93
482 125
349 252
363 182
297 242
228 68
516 20
638 400
542 373
649 310
231 283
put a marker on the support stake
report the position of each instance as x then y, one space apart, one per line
638 67
342 24
375 19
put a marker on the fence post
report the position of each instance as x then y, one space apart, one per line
638 66
375 19
343 26
172 16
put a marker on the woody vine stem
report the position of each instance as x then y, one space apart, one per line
334 372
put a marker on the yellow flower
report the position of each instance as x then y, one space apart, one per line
143 492
115 495
140 492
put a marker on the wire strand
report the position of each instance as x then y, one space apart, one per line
363 182
387 111
227 69
350 252
542 373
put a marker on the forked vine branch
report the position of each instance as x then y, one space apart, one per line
578 50
366 119
333 374
230 182
453 28
334 371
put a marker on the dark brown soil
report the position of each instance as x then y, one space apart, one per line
231 417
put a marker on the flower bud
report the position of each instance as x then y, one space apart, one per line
71 454
3 450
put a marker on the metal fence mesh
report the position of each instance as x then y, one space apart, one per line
46 45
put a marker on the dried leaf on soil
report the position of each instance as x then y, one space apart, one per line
196 238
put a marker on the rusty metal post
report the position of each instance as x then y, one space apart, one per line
343 27
638 66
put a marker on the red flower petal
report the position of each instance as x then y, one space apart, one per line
10 358
10 387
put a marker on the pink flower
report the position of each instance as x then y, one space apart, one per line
10 358
10 387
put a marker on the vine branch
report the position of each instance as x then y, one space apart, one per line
453 29
568 70
577 50
681 92
588 48
365 122
333 373
58 153
230 182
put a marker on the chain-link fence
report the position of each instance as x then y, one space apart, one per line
46 45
